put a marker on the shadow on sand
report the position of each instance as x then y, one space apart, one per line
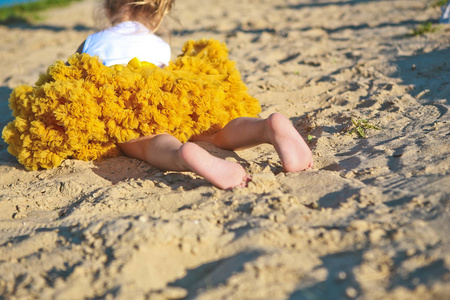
428 74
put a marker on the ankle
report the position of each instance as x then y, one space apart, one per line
273 125
186 154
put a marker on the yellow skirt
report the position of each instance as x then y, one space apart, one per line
83 109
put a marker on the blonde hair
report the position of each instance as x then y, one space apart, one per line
148 12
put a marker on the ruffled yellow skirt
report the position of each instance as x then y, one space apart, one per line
83 109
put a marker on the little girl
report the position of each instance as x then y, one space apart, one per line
85 110
134 23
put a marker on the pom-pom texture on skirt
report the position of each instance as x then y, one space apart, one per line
82 109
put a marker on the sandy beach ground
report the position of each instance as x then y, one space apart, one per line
369 221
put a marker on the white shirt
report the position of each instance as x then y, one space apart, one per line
121 43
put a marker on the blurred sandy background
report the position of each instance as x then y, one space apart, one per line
370 221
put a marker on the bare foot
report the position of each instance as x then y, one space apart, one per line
223 174
294 153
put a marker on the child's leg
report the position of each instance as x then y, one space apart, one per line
277 130
167 153
223 174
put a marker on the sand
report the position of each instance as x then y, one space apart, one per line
369 221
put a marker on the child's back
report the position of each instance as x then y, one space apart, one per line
132 33
126 40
